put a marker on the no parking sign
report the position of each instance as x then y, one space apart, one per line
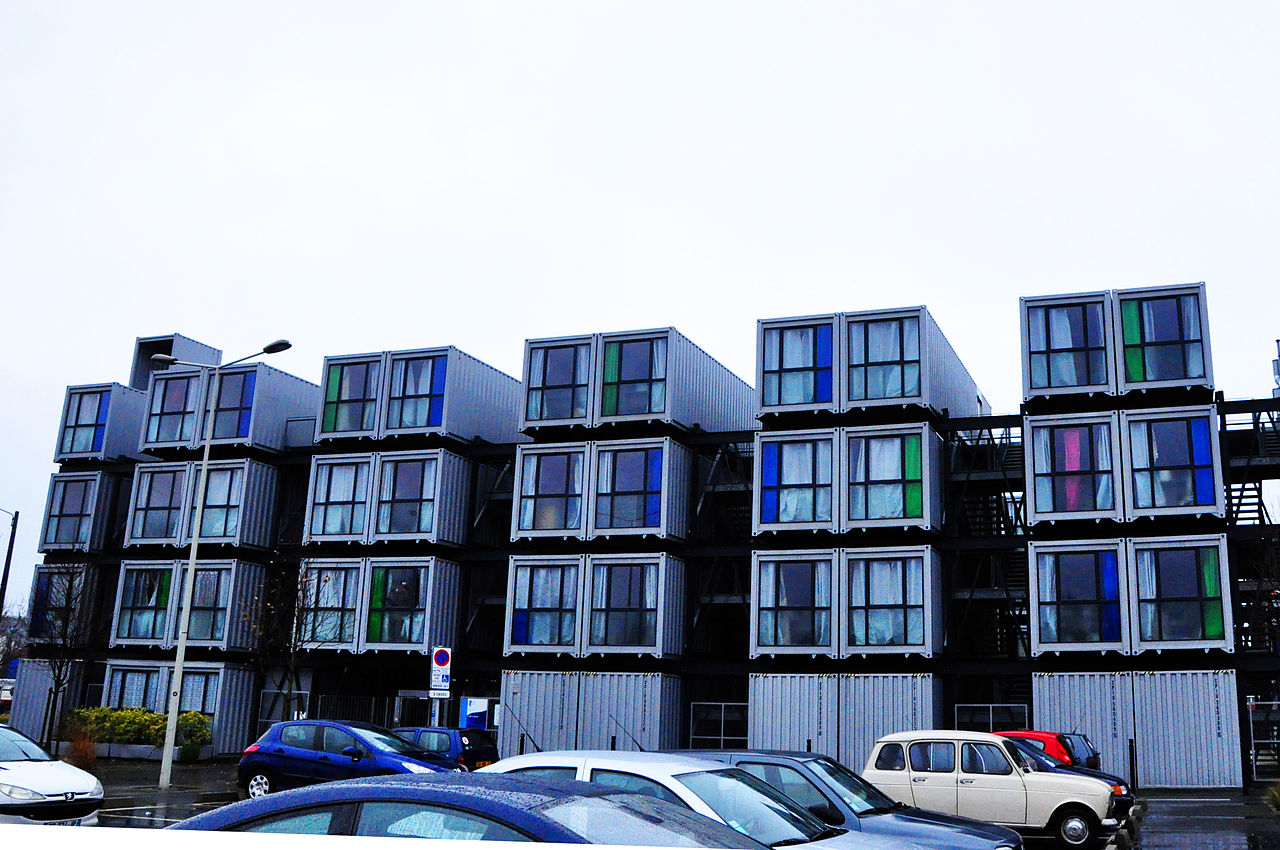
441 658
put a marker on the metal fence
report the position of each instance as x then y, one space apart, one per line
991 717
379 710
1264 728
717 725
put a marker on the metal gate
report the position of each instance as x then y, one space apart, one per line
1264 729
991 717
379 710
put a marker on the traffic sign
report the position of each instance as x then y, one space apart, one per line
441 660
438 694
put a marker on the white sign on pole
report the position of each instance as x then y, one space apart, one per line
441 660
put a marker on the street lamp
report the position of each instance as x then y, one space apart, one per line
188 584
8 557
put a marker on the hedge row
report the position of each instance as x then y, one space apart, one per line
136 726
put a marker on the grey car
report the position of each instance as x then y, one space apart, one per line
842 798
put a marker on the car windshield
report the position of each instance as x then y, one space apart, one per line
1027 756
753 807
857 793
15 747
637 819
1080 746
386 741
477 739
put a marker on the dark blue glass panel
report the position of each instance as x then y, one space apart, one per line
1111 622
98 431
437 377
1110 576
822 385
652 509
1204 487
769 465
1200 441
245 416
104 404
435 414
520 627
769 506
246 394
655 470
824 346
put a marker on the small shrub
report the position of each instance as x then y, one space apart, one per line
193 728
135 726
82 751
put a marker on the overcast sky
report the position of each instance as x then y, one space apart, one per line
371 176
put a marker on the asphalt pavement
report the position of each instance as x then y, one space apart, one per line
132 795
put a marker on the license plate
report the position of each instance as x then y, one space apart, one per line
72 822
483 763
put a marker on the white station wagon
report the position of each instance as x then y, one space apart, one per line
971 774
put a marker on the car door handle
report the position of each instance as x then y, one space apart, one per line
966 781
278 750
919 779
324 758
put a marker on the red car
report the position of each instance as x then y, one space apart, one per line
1068 747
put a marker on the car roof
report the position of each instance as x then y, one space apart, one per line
618 758
1028 733
800 755
352 724
945 734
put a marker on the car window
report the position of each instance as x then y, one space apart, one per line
434 742
789 781
335 740
891 758
478 739
548 772
933 757
635 819
753 807
857 793
637 784
1035 742
984 759
422 820
299 735
309 822
1020 757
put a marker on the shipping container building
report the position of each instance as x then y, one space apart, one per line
1073 467
100 422
81 512
239 504
1162 337
1172 462
170 345
1067 345
225 612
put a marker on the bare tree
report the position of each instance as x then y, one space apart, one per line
59 630
13 640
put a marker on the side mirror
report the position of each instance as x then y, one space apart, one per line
352 752
826 813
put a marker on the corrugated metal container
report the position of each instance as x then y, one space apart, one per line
349 403
554 508
944 384
257 498
539 712
569 398
276 397
1089 457
1067 345
930 461
68 533
174 345
243 630
362 510
441 608
824 559
794 712
32 692
1217 626
822 438
669 627
806 373
1098 704
676 472
235 724
930 601
1140 365
1040 588
1188 729
142 497
872 706
628 711
574 585
100 422
451 520
699 392
1195 483
480 403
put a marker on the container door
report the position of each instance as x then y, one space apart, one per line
932 767
990 788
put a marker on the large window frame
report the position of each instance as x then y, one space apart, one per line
159 503
233 408
71 512
794 478
551 497
543 611
136 687
888 601
1164 337
885 477
628 494
1164 601
407 493
330 599
173 408
1079 587
1173 462
398 600
624 605
144 604
796 364
339 497
350 400
415 391
634 374
1067 345
884 359
210 602
558 382
223 503
84 422
60 604
794 600
1073 467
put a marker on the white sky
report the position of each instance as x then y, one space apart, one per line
371 176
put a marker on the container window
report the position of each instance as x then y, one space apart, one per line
224 492
884 359
339 495
86 422
350 397
886 479
629 488
886 602
1180 594
144 602
1067 345
55 604
624 605
397 605
157 504
795 481
797 365
1162 338
210 601
199 692
1073 468
1172 463
70 514
544 611
135 689
1079 595
551 491
635 377
407 496
558 377
417 392
794 603
172 414
234 410
327 597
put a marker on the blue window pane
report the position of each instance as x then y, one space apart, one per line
250 381
435 414
822 385
242 429
655 470
824 348
97 438
520 627
104 403
437 377
769 506
1110 579
1204 487
652 509
1200 441
1111 623
769 464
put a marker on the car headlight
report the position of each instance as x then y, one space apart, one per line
97 789
13 792
414 767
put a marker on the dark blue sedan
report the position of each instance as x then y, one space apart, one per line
475 806
303 752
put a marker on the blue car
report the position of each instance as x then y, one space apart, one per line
472 748
303 752
475 806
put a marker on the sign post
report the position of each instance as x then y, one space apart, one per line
441 662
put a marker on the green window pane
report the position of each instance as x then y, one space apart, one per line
1133 367
611 400
912 445
1212 620
331 385
375 626
163 598
379 588
914 501
330 417
1132 325
611 361
1209 572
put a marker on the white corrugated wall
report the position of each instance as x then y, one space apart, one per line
542 706
794 712
615 708
875 705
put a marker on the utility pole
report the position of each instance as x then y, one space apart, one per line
8 558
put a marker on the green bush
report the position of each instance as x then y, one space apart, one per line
136 726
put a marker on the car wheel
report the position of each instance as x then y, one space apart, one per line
1075 827
260 785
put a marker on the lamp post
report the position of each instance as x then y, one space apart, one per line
188 583
8 557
